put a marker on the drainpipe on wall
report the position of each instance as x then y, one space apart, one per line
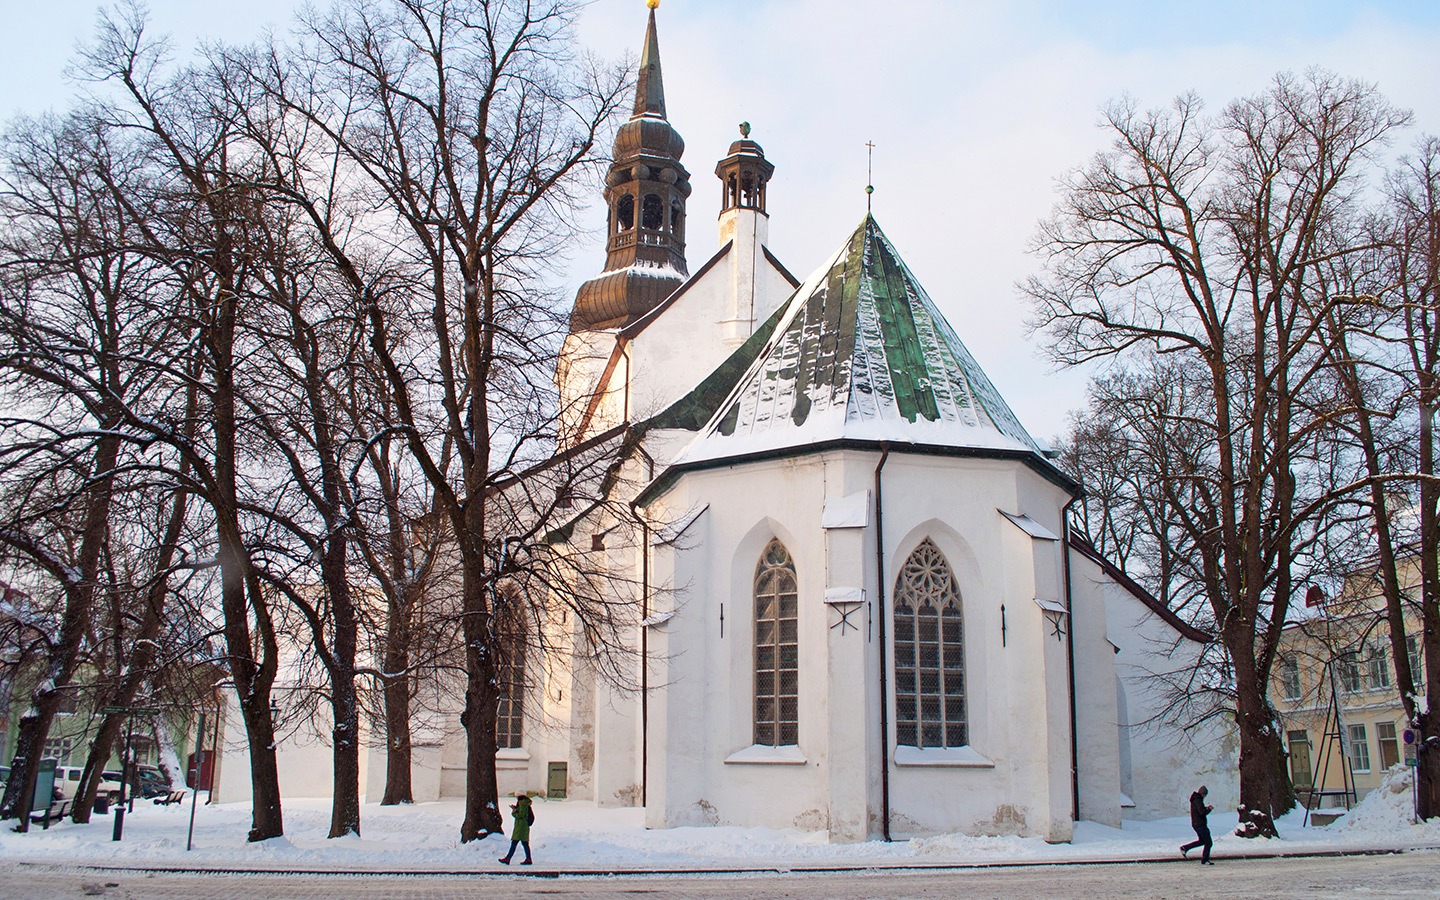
884 659
644 630
1070 660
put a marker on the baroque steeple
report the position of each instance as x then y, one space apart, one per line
645 193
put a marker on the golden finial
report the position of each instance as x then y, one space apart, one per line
652 3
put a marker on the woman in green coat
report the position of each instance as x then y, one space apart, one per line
523 815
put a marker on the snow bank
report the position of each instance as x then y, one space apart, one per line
1389 809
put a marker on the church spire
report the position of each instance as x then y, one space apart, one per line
650 90
645 192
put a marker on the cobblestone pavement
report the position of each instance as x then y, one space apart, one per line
1414 874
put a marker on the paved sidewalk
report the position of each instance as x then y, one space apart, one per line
1397 875
541 871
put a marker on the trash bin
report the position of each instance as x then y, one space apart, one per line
102 804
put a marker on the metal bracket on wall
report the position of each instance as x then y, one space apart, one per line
845 602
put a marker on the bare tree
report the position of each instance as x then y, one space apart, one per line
199 219
70 336
1200 237
470 124
1386 358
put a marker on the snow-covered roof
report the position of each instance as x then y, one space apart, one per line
861 353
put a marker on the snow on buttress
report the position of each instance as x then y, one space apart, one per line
862 353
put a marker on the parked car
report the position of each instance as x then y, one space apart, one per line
67 783
151 782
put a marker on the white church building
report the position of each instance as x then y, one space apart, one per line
857 604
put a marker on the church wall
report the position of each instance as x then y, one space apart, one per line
693 336
1014 778
616 777
712 773
583 360
771 288
1166 761
1015 781
581 757
679 581
681 346
852 651
303 758
1097 713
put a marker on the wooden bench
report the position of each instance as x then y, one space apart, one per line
172 797
57 811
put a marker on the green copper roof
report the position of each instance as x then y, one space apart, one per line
861 352
692 411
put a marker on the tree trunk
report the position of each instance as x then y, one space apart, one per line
100 750
1265 789
266 819
345 808
397 707
482 796
1427 768
29 742
1427 776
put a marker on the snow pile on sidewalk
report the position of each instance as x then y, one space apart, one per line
578 836
1389 809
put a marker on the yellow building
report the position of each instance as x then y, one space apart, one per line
1334 688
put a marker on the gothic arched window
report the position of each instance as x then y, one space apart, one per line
509 673
510 707
777 656
929 653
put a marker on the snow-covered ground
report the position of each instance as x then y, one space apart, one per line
577 836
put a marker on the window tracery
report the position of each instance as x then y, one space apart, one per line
777 657
929 653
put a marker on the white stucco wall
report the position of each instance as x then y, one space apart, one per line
1098 728
1017 780
1158 762
303 755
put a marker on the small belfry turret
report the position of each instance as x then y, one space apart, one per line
645 191
744 174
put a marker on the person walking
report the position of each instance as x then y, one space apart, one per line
524 816
1199 820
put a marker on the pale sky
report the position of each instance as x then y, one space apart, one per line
975 108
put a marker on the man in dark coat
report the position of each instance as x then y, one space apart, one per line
1199 814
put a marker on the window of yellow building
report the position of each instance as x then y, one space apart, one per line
1358 749
1386 742
1349 671
1378 668
1289 678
